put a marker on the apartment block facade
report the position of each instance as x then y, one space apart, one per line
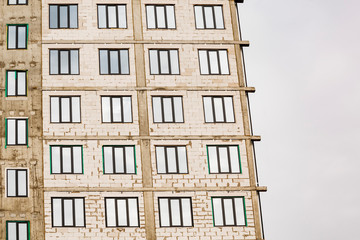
125 119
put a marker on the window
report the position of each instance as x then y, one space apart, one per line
17 183
175 212
229 211
64 61
63 16
213 62
17 2
65 109
164 61
68 212
17 230
119 160
167 109
224 159
17 36
209 17
16 83
218 109
122 212
114 61
171 159
16 131
66 159
160 16
116 109
112 16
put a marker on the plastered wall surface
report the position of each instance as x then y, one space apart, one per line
22 157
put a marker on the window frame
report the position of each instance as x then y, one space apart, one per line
223 105
167 162
17 182
70 109
68 15
218 158
111 108
107 16
218 60
17 228
17 36
156 19
114 160
204 18
127 212
162 108
16 131
16 83
63 214
62 160
234 211
69 60
158 50
109 63
181 213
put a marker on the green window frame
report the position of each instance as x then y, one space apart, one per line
229 217
15 140
20 77
17 229
74 167
114 166
17 33
230 166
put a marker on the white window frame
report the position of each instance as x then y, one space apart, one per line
214 62
209 17
109 66
155 14
73 212
15 228
171 215
14 38
17 131
125 163
159 103
120 14
19 181
122 209
57 62
14 79
224 159
71 21
57 111
62 155
229 211
218 109
171 160
164 61
116 109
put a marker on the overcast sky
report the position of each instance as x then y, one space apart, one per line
304 60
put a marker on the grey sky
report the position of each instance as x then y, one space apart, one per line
304 62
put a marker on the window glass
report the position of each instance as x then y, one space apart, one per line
74 61
11 229
11 37
229 109
186 212
21 77
214 63
182 159
79 212
164 62
112 16
110 212
11 86
157 109
203 59
133 212
114 62
209 17
22 182
154 64
213 161
122 16
57 212
217 212
21 37
63 12
104 62
21 131
239 211
170 14
175 212
102 16
53 13
11 183
68 212
160 14
119 160
64 62
164 212
229 212
160 158
73 16
54 64
150 16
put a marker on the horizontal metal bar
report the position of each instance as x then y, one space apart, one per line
151 189
193 42
157 137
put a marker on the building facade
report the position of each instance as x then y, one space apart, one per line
125 120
